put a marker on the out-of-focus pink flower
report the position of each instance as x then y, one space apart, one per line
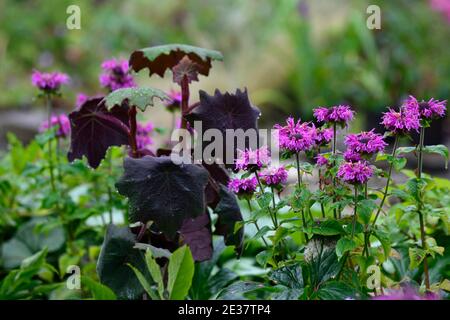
274 176
116 75
63 123
402 121
296 136
321 160
143 131
442 6
49 82
243 187
355 172
81 98
341 114
365 143
252 159
175 100
407 293
430 109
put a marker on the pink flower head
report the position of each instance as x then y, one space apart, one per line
355 172
175 100
296 137
252 159
365 143
321 160
81 98
442 6
323 136
63 123
402 121
143 132
115 75
352 156
49 82
340 114
407 293
274 176
243 187
430 109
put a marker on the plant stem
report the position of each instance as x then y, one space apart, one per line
50 148
256 224
386 189
133 127
299 174
184 100
275 224
274 206
334 150
419 207
355 212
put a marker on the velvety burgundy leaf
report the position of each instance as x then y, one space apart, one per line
185 68
218 173
225 111
163 192
196 233
95 129
229 213
160 58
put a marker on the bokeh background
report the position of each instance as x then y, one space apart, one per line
292 55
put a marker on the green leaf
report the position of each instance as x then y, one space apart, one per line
328 228
144 283
181 271
155 272
118 251
415 187
288 276
262 232
334 290
383 237
136 97
416 256
98 291
403 150
237 290
343 245
438 149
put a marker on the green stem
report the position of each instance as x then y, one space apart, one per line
256 223
50 141
386 189
419 207
334 150
299 174
274 206
355 212
275 224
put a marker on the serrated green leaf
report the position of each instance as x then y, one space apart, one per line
438 149
343 245
137 97
416 256
181 271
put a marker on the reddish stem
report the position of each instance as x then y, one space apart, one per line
133 127
184 100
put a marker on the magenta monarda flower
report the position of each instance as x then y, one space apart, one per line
407 293
321 160
341 114
245 186
355 172
296 136
143 132
402 121
175 100
430 109
352 156
442 6
274 176
63 123
252 159
323 136
49 82
115 75
365 143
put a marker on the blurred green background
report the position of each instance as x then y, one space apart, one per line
292 55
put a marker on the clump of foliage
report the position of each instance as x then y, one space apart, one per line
318 234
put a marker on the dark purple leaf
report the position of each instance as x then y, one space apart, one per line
196 233
185 68
229 213
95 129
225 111
163 192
